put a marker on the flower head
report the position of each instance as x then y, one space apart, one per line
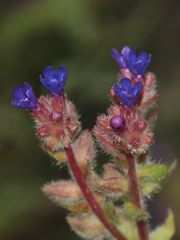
135 137
128 58
56 122
54 81
24 97
127 93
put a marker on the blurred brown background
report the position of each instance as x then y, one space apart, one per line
79 34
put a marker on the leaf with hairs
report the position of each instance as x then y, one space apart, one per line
165 231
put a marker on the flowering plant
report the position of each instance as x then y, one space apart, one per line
110 205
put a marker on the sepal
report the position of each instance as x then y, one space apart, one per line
59 156
150 91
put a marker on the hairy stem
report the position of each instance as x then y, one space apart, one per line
89 196
136 196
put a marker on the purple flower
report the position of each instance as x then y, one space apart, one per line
24 97
127 93
54 81
128 58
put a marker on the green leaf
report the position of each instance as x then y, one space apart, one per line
156 172
150 176
149 187
172 166
109 209
134 212
165 231
128 228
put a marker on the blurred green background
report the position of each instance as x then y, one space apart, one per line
79 34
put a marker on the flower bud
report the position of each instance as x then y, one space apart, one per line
117 123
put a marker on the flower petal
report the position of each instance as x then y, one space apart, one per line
19 92
116 89
54 86
119 58
62 74
125 52
125 84
49 72
136 89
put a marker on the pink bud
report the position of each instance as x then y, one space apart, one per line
140 125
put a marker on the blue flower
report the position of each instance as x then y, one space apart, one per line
24 97
127 93
138 64
128 58
54 81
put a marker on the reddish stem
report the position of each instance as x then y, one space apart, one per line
136 197
89 196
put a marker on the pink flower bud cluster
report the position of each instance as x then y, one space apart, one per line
56 122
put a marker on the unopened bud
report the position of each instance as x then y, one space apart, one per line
117 123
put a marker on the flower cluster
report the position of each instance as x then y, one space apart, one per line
120 131
125 128
110 204
54 82
56 120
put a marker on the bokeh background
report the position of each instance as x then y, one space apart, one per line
79 34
